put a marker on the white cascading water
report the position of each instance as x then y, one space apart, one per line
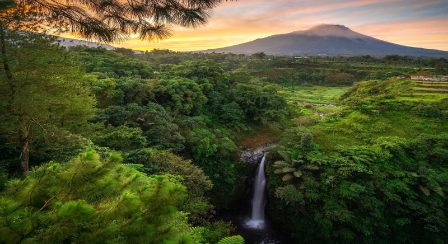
258 202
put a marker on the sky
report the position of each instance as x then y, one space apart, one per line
416 23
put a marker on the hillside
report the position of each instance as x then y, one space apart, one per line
331 40
70 42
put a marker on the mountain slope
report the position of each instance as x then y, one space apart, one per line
332 40
70 42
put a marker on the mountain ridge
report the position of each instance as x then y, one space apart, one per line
71 42
326 40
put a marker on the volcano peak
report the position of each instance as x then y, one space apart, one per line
330 30
326 39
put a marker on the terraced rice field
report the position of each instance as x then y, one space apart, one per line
431 87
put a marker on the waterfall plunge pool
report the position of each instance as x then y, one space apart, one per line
268 234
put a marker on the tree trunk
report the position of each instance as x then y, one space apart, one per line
24 156
3 52
24 148
5 64
24 136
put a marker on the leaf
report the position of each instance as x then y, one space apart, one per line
278 171
296 163
281 164
287 177
232 240
312 167
440 192
298 174
330 179
288 170
425 190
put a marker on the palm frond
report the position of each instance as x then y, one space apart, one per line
281 164
288 170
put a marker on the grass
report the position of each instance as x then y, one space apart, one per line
326 110
431 89
314 94
423 97
444 85
358 128
426 83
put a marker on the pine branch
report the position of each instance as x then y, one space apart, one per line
111 20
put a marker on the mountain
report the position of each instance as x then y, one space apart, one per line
70 42
331 40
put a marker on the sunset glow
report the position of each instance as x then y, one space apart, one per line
413 23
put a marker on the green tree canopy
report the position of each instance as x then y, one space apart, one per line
44 88
260 103
113 64
89 200
156 124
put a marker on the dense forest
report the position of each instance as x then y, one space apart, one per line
101 146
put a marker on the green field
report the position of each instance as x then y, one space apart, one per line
314 94
358 129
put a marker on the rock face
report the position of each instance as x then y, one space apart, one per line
326 40
242 195
253 156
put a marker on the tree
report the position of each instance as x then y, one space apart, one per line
114 64
152 161
89 200
207 73
119 138
106 20
260 55
233 116
184 95
307 143
260 103
156 124
104 89
44 88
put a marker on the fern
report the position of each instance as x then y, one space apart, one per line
232 240
138 167
285 156
281 164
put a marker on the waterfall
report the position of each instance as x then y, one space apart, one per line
259 199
